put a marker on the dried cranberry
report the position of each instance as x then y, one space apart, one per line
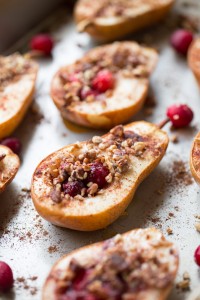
181 40
81 279
180 115
197 256
103 81
43 43
73 188
6 277
13 143
97 174
85 92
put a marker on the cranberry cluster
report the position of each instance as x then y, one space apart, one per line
97 174
78 288
102 81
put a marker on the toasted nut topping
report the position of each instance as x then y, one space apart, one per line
109 178
118 130
96 139
93 189
79 197
139 147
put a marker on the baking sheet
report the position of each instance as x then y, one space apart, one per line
168 198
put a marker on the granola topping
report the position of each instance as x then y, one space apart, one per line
118 8
94 77
91 168
120 271
10 67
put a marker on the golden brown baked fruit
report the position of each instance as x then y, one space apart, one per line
111 19
195 158
194 58
9 165
138 265
17 82
87 186
106 87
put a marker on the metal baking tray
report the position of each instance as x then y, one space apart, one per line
168 198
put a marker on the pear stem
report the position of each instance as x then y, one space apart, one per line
163 123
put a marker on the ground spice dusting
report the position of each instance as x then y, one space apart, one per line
53 249
26 284
21 233
176 177
184 284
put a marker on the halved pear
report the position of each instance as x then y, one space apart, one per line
109 20
115 106
194 58
17 83
99 211
9 165
140 264
195 158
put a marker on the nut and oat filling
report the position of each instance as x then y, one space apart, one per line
120 273
11 67
3 176
116 8
94 77
92 167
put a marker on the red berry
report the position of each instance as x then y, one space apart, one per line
73 188
197 256
97 174
80 279
13 143
181 40
43 43
103 81
6 277
180 115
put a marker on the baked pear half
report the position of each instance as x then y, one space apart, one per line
9 165
86 186
106 87
112 19
17 83
194 58
140 264
195 158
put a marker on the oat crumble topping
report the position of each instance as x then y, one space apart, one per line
10 67
109 157
115 8
120 271
77 79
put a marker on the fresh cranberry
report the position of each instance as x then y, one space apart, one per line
103 81
197 256
180 115
85 92
73 188
13 143
6 277
97 174
43 43
181 40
